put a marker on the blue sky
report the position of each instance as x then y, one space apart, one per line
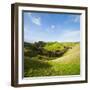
39 26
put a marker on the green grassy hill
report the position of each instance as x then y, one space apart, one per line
71 56
51 46
68 64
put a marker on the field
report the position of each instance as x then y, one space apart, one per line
51 59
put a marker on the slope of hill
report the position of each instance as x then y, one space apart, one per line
51 46
68 64
71 56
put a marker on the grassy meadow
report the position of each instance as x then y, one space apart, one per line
51 59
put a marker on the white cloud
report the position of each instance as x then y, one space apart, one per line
70 36
52 26
36 20
71 33
75 18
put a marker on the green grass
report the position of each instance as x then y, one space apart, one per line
68 64
52 46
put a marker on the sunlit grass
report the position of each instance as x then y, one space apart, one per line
68 64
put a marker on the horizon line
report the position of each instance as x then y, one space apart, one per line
53 41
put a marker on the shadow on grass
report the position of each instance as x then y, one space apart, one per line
34 65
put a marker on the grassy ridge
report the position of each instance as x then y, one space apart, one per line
68 64
51 46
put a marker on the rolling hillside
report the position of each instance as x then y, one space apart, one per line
67 64
71 56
